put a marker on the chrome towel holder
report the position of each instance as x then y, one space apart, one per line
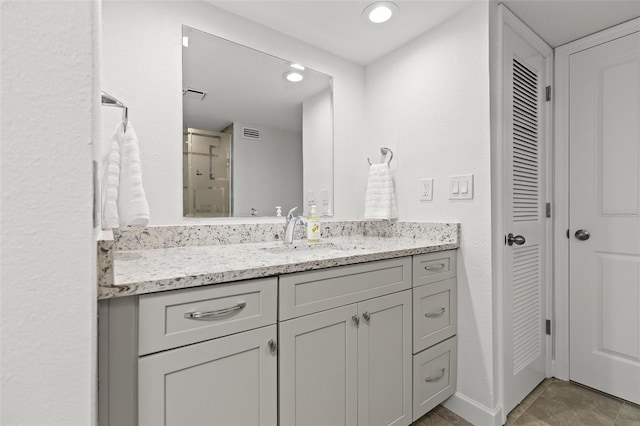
384 151
108 100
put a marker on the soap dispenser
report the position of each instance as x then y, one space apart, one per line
313 226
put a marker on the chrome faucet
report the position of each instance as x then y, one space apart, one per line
291 225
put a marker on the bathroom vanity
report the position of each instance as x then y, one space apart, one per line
357 330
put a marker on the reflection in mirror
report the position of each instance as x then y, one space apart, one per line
253 139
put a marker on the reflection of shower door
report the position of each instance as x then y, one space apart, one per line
208 173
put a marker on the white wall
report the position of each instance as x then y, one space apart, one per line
429 103
317 125
48 286
266 173
142 66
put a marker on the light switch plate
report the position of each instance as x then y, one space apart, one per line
426 189
461 187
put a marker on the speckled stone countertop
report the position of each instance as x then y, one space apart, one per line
148 270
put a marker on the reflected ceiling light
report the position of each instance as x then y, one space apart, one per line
293 76
380 12
297 66
185 41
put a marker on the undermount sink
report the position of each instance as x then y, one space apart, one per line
304 246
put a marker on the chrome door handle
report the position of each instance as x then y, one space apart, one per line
435 314
356 320
433 379
582 234
215 314
273 346
366 316
517 239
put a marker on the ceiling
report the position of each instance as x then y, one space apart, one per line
338 27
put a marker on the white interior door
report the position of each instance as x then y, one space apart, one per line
525 138
604 126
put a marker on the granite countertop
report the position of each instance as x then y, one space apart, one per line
151 270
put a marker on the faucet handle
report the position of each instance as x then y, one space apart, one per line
290 214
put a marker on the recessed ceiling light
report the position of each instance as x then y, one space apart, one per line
380 12
293 76
297 66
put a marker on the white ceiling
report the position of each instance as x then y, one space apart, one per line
338 27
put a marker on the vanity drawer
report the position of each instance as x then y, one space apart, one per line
434 313
313 291
433 267
434 376
181 317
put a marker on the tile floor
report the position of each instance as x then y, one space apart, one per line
554 403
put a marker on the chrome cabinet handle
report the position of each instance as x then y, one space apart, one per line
366 316
356 320
433 379
438 266
273 346
215 314
435 314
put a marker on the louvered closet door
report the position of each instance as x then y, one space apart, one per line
525 199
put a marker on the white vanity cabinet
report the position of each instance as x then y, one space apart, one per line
364 344
345 356
434 330
203 356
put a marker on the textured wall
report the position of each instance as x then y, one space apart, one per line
142 54
429 102
48 288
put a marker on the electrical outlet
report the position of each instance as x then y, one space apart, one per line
426 189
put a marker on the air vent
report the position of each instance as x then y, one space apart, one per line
251 133
196 94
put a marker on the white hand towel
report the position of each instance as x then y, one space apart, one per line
111 182
380 200
133 208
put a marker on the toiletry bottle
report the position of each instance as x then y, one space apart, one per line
313 226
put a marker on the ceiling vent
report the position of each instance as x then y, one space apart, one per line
251 133
196 94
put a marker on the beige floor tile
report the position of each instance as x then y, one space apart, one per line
440 416
528 420
629 415
528 400
564 403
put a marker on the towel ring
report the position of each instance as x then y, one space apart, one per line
384 151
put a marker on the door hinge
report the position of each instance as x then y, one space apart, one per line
568 234
548 327
548 211
547 93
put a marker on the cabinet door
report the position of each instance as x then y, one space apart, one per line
384 360
227 381
318 368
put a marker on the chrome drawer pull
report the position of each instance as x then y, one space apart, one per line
435 314
429 379
215 314
435 267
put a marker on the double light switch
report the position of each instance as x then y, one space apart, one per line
461 187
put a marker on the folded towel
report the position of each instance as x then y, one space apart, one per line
111 181
380 200
133 208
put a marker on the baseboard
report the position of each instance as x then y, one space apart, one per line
473 411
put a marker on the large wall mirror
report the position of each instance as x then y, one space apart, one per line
254 137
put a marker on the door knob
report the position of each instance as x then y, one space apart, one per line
582 234
518 239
